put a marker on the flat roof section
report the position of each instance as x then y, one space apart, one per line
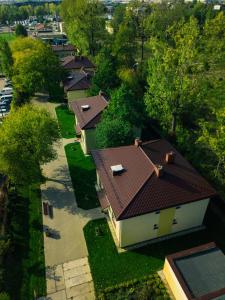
200 271
203 272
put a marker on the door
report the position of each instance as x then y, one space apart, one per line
166 221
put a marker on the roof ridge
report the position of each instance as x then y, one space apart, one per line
141 187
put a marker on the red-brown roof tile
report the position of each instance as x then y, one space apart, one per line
76 62
138 190
89 118
80 81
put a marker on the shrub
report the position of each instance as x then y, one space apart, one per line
4 296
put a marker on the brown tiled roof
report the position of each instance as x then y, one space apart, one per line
80 81
138 190
89 118
76 62
58 48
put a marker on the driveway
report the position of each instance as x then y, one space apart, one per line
66 256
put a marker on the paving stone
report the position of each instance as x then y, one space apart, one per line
88 296
51 287
75 263
60 295
78 280
81 289
59 278
76 271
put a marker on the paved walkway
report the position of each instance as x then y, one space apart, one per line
67 271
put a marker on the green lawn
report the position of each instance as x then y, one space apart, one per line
110 268
83 175
7 36
66 121
25 264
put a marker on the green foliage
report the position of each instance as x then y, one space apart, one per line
35 68
4 296
6 59
84 24
20 30
82 167
176 84
113 133
66 121
26 141
26 254
105 77
213 138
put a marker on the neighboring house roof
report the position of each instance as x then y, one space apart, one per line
76 62
60 48
89 118
200 271
80 81
138 190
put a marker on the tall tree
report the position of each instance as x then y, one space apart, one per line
20 30
26 142
176 84
35 68
84 24
6 59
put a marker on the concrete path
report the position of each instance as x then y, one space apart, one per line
67 271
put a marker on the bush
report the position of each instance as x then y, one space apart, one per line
4 296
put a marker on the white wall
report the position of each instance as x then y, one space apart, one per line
138 229
190 215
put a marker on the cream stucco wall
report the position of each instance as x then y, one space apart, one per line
173 282
76 95
88 141
190 215
138 229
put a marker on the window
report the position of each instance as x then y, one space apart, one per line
157 212
155 226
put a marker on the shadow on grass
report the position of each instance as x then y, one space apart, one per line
109 267
24 264
83 176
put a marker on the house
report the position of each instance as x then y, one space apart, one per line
64 50
197 273
77 84
75 63
150 191
87 115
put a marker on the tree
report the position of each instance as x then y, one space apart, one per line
26 142
6 58
105 77
113 133
213 138
20 30
35 68
176 83
84 24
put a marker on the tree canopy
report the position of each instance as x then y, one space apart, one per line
26 142
20 30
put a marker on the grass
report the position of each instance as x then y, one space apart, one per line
110 268
66 121
25 264
83 175
7 36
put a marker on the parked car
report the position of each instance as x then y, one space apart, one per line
6 97
7 91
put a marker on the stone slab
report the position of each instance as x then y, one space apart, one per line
75 263
78 280
78 290
59 278
76 272
60 295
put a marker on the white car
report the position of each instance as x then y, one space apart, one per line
7 91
